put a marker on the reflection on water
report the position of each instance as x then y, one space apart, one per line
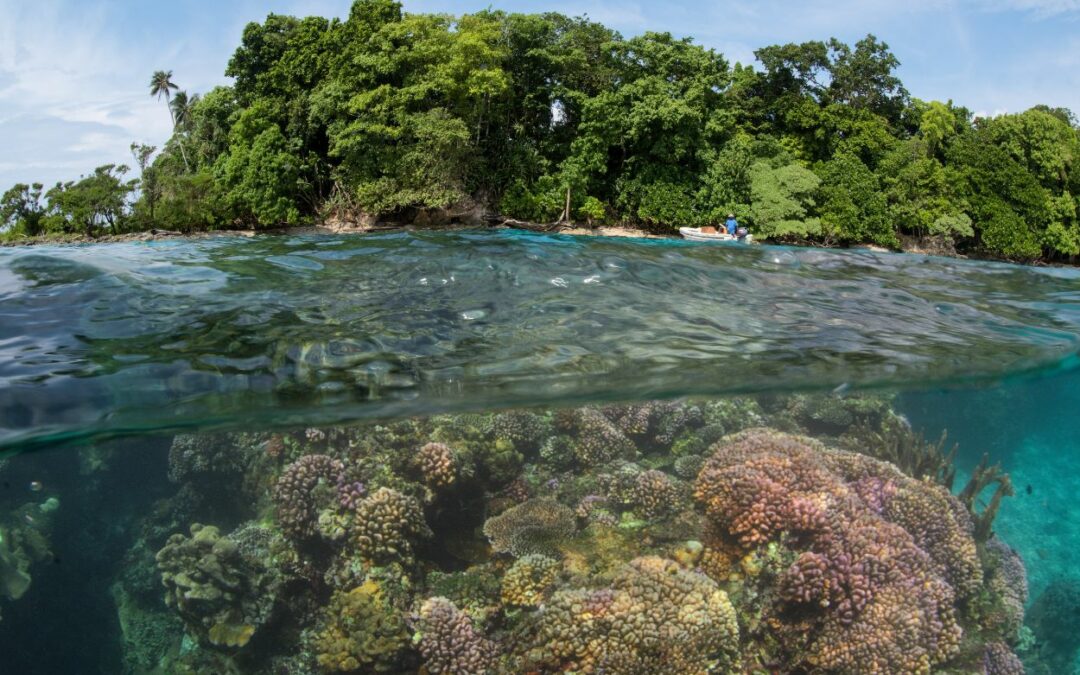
224 332
747 534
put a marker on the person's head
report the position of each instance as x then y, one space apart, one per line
731 215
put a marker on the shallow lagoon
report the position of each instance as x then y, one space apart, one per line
508 452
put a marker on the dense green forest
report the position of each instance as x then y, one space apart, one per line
547 118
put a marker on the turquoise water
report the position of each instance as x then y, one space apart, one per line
508 452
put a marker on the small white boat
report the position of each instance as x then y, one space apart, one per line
695 234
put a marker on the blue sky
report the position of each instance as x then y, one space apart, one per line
74 73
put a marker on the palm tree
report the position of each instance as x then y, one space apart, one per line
161 84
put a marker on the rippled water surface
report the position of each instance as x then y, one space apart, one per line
225 331
498 453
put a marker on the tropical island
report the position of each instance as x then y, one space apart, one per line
495 117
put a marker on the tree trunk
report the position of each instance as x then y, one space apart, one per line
565 217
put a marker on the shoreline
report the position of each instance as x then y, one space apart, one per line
910 246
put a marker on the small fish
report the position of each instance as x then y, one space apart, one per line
1027 488
35 486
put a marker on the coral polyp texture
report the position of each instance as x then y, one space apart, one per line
536 526
450 644
387 525
525 582
300 489
654 617
437 465
859 593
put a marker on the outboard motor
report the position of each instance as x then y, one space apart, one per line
741 233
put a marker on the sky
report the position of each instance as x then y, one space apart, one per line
74 74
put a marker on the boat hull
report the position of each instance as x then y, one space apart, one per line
695 234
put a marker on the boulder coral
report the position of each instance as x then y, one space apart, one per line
861 594
437 465
525 583
654 617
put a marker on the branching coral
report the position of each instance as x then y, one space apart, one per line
655 617
450 643
880 601
222 588
537 526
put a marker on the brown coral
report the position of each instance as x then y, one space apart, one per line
525 583
450 643
386 524
862 594
437 465
655 617
361 630
537 526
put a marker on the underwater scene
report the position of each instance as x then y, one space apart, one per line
488 452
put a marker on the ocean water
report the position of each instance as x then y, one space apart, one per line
502 452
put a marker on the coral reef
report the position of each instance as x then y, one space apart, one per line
437 465
221 587
1052 617
536 526
654 617
660 537
360 630
861 593
386 525
306 486
449 642
525 583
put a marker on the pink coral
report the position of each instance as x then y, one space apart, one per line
880 557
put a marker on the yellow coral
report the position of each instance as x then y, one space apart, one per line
525 583
230 634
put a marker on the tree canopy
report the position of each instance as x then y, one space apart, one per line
543 117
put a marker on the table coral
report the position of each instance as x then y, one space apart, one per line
536 526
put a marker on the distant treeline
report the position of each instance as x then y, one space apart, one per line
548 118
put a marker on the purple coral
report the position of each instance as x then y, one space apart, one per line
859 529
449 642
296 493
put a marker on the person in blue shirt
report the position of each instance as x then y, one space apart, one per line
731 224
